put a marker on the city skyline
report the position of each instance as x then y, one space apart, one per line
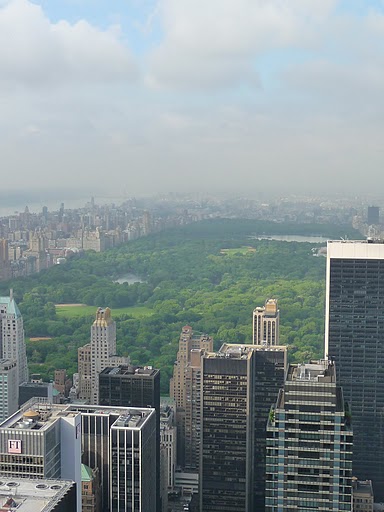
150 95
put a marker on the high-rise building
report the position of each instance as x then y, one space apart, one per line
9 388
354 338
90 489
266 324
134 386
238 386
44 440
373 217
185 377
39 442
12 342
97 355
309 444
362 495
168 441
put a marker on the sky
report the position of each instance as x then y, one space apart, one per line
138 97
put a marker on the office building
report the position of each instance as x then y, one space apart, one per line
266 324
182 372
29 495
309 443
362 495
97 355
29 390
238 385
121 442
12 342
133 386
42 440
9 388
354 338
168 441
373 217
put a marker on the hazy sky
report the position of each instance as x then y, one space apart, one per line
139 96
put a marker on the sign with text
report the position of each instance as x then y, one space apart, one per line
14 446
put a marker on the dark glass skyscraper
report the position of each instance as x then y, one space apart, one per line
354 337
239 385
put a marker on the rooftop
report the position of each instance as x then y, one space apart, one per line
314 371
237 351
40 414
130 370
26 495
11 306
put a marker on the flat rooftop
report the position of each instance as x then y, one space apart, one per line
314 371
130 370
27 495
242 351
40 414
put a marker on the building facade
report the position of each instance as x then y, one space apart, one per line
9 388
186 374
12 342
239 385
266 324
97 355
309 444
354 338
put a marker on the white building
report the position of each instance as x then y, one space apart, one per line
266 324
9 388
12 342
99 354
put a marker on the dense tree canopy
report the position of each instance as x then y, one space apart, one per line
188 278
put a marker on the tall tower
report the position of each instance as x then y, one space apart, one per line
186 376
238 386
97 355
309 445
354 338
12 342
266 324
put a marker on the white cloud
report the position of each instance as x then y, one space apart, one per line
215 43
36 52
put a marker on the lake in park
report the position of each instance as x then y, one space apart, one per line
312 239
129 278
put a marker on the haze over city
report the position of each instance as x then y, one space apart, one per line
170 95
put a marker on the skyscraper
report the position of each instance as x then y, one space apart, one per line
12 342
239 384
373 215
309 445
97 355
183 376
134 386
266 324
354 337
9 388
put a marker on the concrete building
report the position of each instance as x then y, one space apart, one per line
266 324
29 495
168 442
9 388
309 444
29 390
354 338
363 499
42 440
12 342
97 355
239 385
188 342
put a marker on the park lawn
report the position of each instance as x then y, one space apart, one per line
81 310
244 249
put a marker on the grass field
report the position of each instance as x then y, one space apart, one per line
238 250
72 311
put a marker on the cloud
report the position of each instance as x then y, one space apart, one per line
215 43
37 52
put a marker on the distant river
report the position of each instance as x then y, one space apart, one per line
292 238
129 278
